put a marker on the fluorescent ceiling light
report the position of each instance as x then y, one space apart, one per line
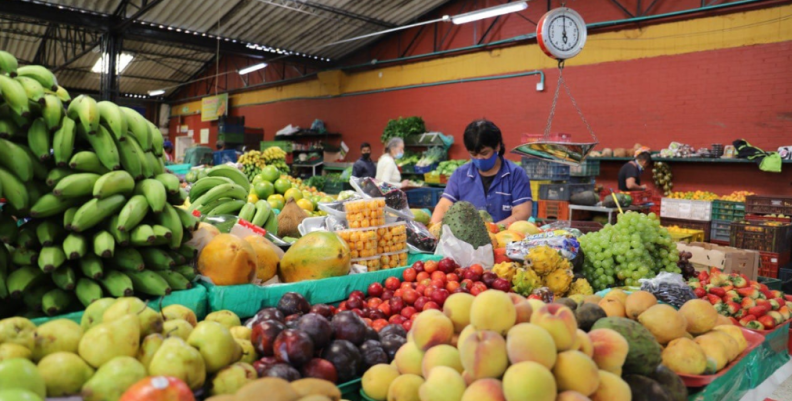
489 12
157 92
123 62
255 67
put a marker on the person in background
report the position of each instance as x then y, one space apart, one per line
364 167
489 181
167 146
387 170
220 145
630 173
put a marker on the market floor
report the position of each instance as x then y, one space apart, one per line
783 392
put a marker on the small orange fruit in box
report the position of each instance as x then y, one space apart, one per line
362 243
392 238
365 213
372 264
391 260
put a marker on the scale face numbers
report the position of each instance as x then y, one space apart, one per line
561 33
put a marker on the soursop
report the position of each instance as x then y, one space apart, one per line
465 223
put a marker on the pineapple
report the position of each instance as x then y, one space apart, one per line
545 260
525 281
580 286
559 281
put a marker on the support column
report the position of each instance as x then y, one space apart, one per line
112 43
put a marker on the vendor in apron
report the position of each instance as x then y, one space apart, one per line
489 181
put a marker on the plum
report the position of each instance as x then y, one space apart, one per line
347 325
263 336
322 309
317 327
372 353
396 329
269 314
391 343
371 334
489 278
264 363
321 369
291 320
346 358
282 371
293 347
292 302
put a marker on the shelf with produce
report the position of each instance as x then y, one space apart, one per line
307 134
682 160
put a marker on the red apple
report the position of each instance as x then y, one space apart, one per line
375 290
409 296
354 303
373 303
438 275
358 312
386 295
429 290
467 283
407 325
385 308
452 277
452 286
438 283
420 302
379 324
377 314
392 283
418 266
489 278
431 305
420 288
408 311
445 265
342 306
398 293
409 274
357 294
439 296
421 276
396 304
477 268
405 285
397 319
502 284
478 288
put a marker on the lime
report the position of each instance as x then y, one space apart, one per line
293 193
258 178
276 201
306 205
270 173
282 185
263 189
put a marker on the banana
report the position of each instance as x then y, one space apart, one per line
112 116
230 172
49 232
3 287
187 271
203 185
40 170
113 183
41 74
138 127
33 89
50 205
64 278
68 217
142 235
22 280
233 191
87 162
87 291
50 258
121 238
170 219
132 213
33 297
151 161
24 256
35 192
188 251
205 209
130 161
170 181
15 96
105 148
117 284
230 207
16 160
75 246
56 301
8 128
157 259
148 282
91 266
189 222
177 257
8 64
178 198
39 139
52 112
271 226
162 232
14 191
175 280
76 185
247 211
84 111
63 141
127 259
27 237
63 95
156 139
145 165
263 211
104 244
55 175
8 229
154 192
96 210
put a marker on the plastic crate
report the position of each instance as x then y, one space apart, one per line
558 192
588 168
689 224
535 210
535 185
435 179
761 237
727 210
686 209
784 275
553 210
721 231
582 180
586 226
425 169
640 197
545 170
775 204
771 282
770 263
423 197
759 217
286 146
687 235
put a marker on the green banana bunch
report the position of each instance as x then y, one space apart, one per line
104 244
87 291
84 111
15 96
132 213
113 183
8 64
117 284
33 89
39 139
41 74
112 116
154 192
78 185
231 173
87 162
96 210
138 127
52 112
63 141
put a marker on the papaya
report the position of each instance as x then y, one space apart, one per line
228 260
267 257
317 255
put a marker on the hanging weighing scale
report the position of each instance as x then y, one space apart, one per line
561 34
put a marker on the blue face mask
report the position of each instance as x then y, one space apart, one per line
485 164
399 155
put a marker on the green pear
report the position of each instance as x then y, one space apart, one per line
94 312
225 317
241 332
19 373
177 359
232 378
149 347
150 320
11 350
17 330
248 352
113 379
216 345
105 341
54 336
64 373
177 328
173 312
18 395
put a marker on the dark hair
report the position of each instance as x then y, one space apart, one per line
365 145
220 144
481 134
644 157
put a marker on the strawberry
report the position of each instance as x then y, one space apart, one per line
755 325
763 287
788 304
733 308
732 297
702 276
777 317
757 311
784 311
709 287
748 303
717 291
695 284
780 301
777 294
745 292
722 309
741 314
767 293
728 287
761 301
756 285
739 281
747 319
700 292
767 322
734 321
774 304
714 299
755 294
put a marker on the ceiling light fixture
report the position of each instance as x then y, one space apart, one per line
123 62
255 67
490 12
157 92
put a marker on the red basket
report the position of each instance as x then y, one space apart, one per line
553 210
768 218
754 340
771 262
638 197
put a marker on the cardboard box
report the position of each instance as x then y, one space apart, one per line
728 259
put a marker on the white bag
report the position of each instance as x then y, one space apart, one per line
463 253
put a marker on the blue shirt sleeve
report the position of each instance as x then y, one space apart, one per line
521 187
452 188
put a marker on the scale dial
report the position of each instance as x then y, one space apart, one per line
561 33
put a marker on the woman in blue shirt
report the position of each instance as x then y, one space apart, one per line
489 182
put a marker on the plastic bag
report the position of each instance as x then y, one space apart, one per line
463 253
287 130
318 126
563 241
419 238
670 288
333 223
395 199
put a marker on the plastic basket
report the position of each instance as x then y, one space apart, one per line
553 210
588 168
770 282
761 237
179 169
640 197
535 185
686 209
720 231
775 204
689 224
760 217
771 262
784 275
727 210
423 197
554 192
435 178
545 170
425 169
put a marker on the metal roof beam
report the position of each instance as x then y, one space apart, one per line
344 13
146 6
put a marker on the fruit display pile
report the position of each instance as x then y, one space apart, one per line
90 210
746 302
694 195
254 161
737 196
662 177
635 247
544 269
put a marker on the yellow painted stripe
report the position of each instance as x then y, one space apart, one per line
771 25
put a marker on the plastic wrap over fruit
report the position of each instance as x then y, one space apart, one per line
670 288
563 241
419 237
395 198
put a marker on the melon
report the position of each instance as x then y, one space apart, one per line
505 237
228 260
317 255
524 227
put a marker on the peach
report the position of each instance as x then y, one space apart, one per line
575 371
584 344
611 388
484 390
465 334
560 322
610 349
530 342
377 379
723 321
612 307
483 355
529 381
443 384
457 308
701 316
409 359
493 310
536 304
432 328
405 388
441 355
522 306
570 395
616 294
